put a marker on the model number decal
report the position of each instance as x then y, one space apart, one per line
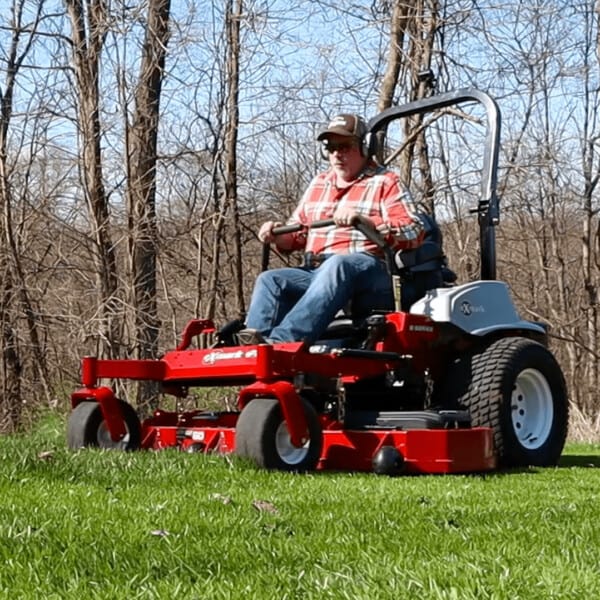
426 328
213 357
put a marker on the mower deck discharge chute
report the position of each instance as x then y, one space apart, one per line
454 381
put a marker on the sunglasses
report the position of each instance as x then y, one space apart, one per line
332 147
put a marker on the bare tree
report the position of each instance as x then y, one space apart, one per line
142 138
549 185
229 204
398 24
238 111
590 238
413 29
15 298
89 22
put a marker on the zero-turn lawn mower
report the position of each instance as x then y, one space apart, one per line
454 381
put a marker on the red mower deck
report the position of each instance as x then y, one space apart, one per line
267 371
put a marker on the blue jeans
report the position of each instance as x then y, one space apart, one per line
297 304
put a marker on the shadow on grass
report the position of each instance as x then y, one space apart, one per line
590 461
583 461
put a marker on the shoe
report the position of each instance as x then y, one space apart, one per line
249 337
226 334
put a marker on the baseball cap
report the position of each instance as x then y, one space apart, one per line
345 124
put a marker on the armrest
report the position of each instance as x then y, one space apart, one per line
428 251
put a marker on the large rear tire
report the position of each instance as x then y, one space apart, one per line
516 387
262 436
87 427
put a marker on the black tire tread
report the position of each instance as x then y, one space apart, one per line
478 383
255 429
86 418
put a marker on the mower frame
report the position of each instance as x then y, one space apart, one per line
295 408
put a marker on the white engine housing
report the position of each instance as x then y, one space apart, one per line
478 308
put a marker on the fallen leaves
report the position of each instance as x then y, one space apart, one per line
160 533
260 505
221 498
265 506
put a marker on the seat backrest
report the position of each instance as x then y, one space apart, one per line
425 267
428 254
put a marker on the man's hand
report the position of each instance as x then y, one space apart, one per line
265 233
344 216
284 241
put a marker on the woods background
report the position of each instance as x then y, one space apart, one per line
143 142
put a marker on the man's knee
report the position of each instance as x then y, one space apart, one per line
280 280
265 281
263 278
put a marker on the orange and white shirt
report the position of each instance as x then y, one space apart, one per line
377 194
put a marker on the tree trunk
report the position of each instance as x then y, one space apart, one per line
226 218
231 199
398 22
10 368
141 190
14 286
414 26
88 27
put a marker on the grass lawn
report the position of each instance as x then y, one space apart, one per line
97 524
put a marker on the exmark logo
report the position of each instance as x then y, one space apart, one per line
213 357
467 309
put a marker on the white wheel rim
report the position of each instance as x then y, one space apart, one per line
105 441
532 409
289 453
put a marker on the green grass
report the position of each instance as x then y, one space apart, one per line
94 524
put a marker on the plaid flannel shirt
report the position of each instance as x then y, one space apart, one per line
376 194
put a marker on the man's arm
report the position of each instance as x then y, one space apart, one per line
400 226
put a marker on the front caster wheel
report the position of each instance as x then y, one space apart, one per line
87 427
262 435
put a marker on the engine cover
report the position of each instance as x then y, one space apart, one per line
479 308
